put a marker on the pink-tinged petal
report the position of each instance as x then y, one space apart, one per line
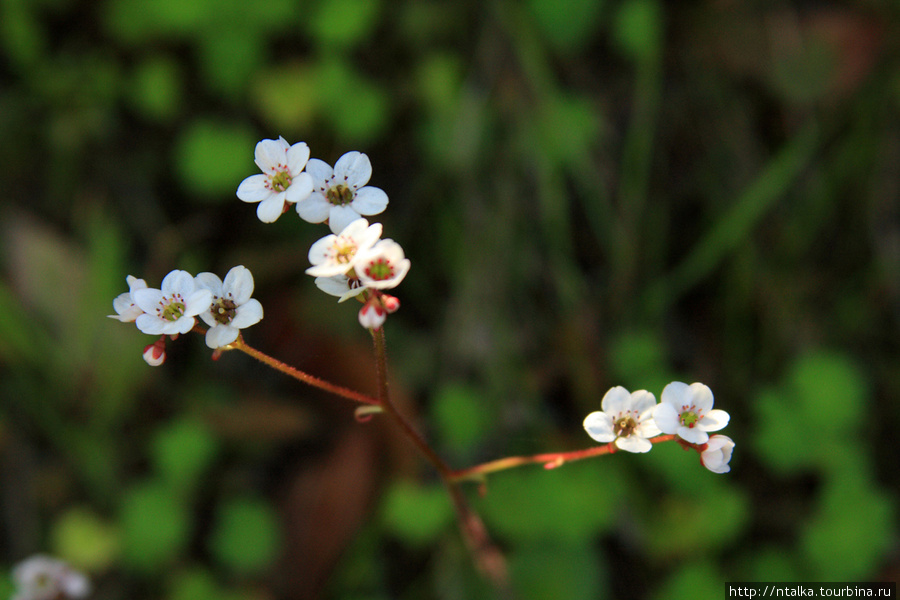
150 324
238 283
692 435
247 314
354 169
599 426
616 400
147 299
702 396
319 252
370 201
714 420
647 427
209 281
221 335
253 189
297 155
341 216
642 401
633 443
666 417
321 173
315 209
196 303
271 208
300 189
271 153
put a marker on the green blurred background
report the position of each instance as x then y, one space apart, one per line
625 192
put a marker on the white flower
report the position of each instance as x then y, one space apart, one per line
45 578
282 180
382 266
126 310
231 307
336 254
342 286
340 195
688 411
625 418
172 308
717 453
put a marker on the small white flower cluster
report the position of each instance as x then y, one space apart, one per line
226 306
42 577
630 419
353 261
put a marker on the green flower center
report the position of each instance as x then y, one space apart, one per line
281 181
223 310
624 426
380 269
173 311
689 418
339 195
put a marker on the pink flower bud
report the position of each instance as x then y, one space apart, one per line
390 303
372 315
155 353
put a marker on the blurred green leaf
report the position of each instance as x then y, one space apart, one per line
156 88
774 563
638 361
213 157
344 23
567 24
287 96
22 36
246 537
415 513
463 417
155 525
182 451
556 571
195 584
568 126
831 392
639 29
693 580
230 57
779 441
569 504
84 540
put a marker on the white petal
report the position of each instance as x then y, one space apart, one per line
321 173
616 400
354 169
633 443
209 281
182 325
370 201
197 303
666 417
270 153
315 209
271 208
647 428
300 189
714 420
297 155
238 283
178 282
253 188
147 299
702 396
692 435
599 426
642 401
341 216
150 324
247 314
220 335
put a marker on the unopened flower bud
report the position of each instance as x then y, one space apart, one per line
372 315
716 453
155 353
390 303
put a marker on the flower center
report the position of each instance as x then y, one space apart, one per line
689 418
339 195
624 426
343 250
281 180
380 269
174 310
223 310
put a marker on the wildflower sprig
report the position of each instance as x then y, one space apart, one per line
353 261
